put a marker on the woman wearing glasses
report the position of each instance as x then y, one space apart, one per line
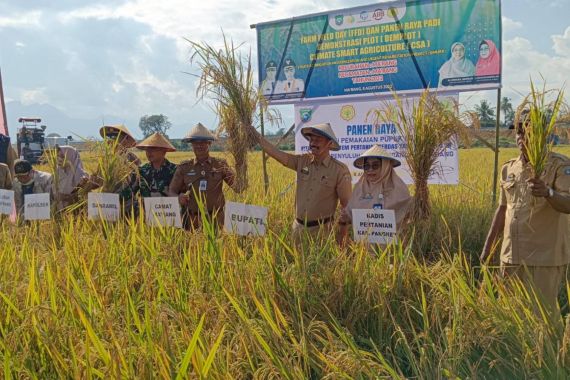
378 188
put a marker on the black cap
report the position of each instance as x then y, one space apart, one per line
271 64
22 167
289 62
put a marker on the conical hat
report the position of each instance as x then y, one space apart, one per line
325 130
156 140
375 152
199 133
121 129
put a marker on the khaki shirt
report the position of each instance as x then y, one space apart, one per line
535 234
205 179
319 186
5 177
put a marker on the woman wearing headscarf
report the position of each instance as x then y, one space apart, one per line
380 187
70 176
489 62
457 66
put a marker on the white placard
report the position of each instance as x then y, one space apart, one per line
103 206
37 206
374 226
356 129
242 219
6 202
162 211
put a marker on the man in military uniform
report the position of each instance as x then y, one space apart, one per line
202 177
322 181
154 176
532 217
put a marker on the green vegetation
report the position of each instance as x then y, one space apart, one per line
94 300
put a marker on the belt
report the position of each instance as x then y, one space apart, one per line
313 223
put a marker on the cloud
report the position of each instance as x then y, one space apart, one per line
510 25
21 20
562 43
34 96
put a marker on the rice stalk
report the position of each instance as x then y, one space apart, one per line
227 77
543 107
426 126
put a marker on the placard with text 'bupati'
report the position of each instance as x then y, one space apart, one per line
37 206
374 226
103 206
162 211
245 220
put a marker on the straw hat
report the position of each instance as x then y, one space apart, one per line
325 130
375 152
199 133
118 129
156 140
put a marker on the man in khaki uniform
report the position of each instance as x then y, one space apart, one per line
532 216
322 181
202 177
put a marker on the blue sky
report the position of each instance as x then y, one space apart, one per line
84 62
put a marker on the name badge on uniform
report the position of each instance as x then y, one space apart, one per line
203 185
366 196
192 172
378 206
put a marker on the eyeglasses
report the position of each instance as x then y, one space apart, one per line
372 166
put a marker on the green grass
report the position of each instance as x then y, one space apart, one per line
92 300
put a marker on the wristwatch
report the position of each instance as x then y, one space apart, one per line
550 192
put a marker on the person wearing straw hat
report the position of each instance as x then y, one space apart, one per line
154 176
533 220
202 177
380 187
123 138
322 181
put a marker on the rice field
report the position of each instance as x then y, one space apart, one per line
93 300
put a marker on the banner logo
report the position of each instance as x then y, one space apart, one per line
306 114
347 112
378 14
338 20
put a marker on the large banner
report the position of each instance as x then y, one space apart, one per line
357 130
403 46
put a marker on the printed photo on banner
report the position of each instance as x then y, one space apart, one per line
245 220
356 131
401 46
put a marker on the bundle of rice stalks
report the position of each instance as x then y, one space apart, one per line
426 126
538 115
227 78
114 169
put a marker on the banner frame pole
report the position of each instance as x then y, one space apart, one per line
263 156
496 163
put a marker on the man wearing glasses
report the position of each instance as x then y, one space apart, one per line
322 181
